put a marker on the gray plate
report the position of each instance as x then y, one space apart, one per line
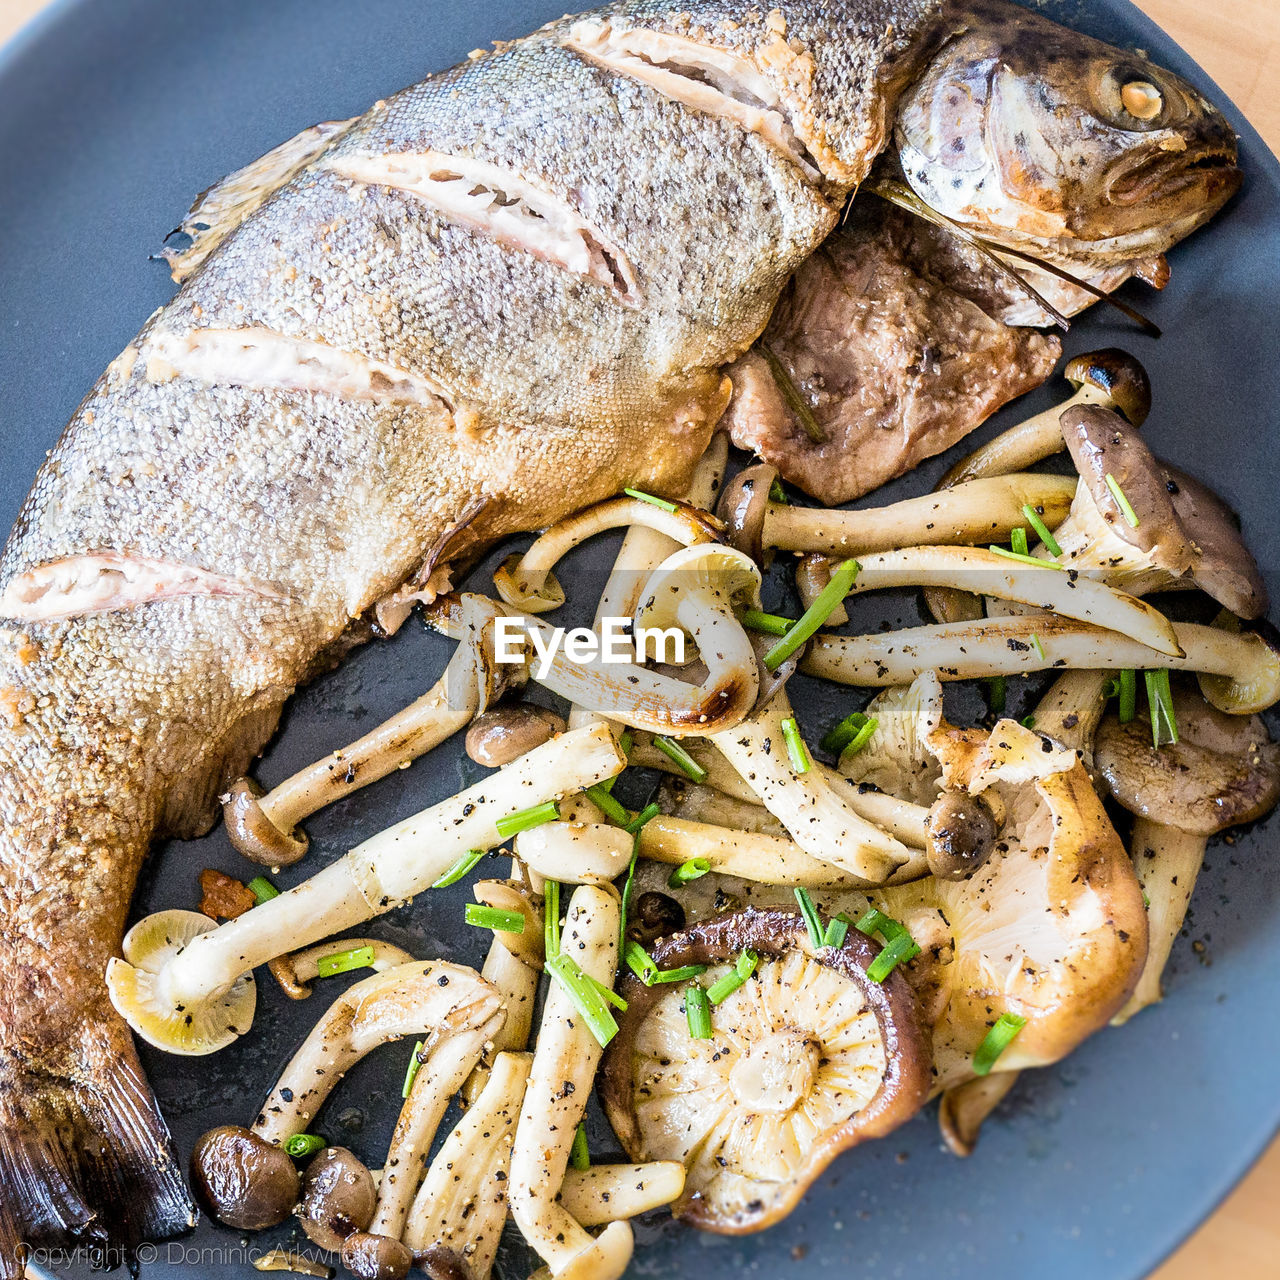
114 113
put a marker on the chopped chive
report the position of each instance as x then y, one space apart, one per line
262 889
1128 695
608 805
585 995
1164 725
996 1041
815 615
344 961
643 965
724 986
411 1071
650 811
694 869
837 932
797 752
610 995
791 394
514 823
494 918
579 1156
551 918
1018 541
777 493
625 741
697 1012
1126 508
1025 559
626 889
875 921
1042 530
1039 648
303 1144
462 867
773 623
650 499
836 739
679 757
812 921
1146 900
1028 722
892 954
997 694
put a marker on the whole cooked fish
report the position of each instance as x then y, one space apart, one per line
503 293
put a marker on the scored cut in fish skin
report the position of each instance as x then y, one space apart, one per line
120 725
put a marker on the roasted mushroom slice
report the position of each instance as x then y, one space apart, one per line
806 1058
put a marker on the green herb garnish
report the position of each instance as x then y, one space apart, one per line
344 961
996 1041
514 823
462 867
815 615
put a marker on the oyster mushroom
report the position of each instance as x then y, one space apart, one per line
1223 771
963 1109
985 510
264 827
1239 671
387 869
234 1168
527 582
806 1058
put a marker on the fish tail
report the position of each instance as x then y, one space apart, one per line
86 1160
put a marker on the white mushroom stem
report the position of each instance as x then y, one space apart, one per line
696 802
575 852
1249 668
984 510
1061 591
564 1065
815 811
526 581
465 688
446 1064
1071 710
391 867
296 972
462 1202
410 999
1167 862
615 1192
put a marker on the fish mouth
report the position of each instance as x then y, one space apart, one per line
1213 173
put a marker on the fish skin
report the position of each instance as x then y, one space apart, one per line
123 725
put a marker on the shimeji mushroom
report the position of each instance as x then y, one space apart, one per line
804 1058
297 971
575 852
338 1197
564 1064
384 871
462 1203
497 737
1110 378
615 1192
244 1174
527 581
1222 771
985 510
1239 671
815 811
1071 709
697 802
264 827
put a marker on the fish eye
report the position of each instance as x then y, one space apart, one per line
1141 99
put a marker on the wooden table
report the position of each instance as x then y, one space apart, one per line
1238 43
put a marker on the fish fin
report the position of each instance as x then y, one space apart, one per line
220 209
86 1161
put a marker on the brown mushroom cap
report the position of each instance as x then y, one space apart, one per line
742 506
653 916
253 834
809 1058
499 736
374 1257
1118 374
962 833
439 1262
338 1197
1222 771
246 1181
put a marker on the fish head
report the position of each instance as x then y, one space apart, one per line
1038 137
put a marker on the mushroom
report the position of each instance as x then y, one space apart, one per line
575 852
615 1192
497 737
296 972
813 576
233 1167
653 915
1239 671
806 1058
962 834
564 1064
985 510
1071 709
963 1109
510 895
264 828
1110 378
462 1202
527 581
375 1257
816 812
697 802
338 1197
384 871
1221 772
